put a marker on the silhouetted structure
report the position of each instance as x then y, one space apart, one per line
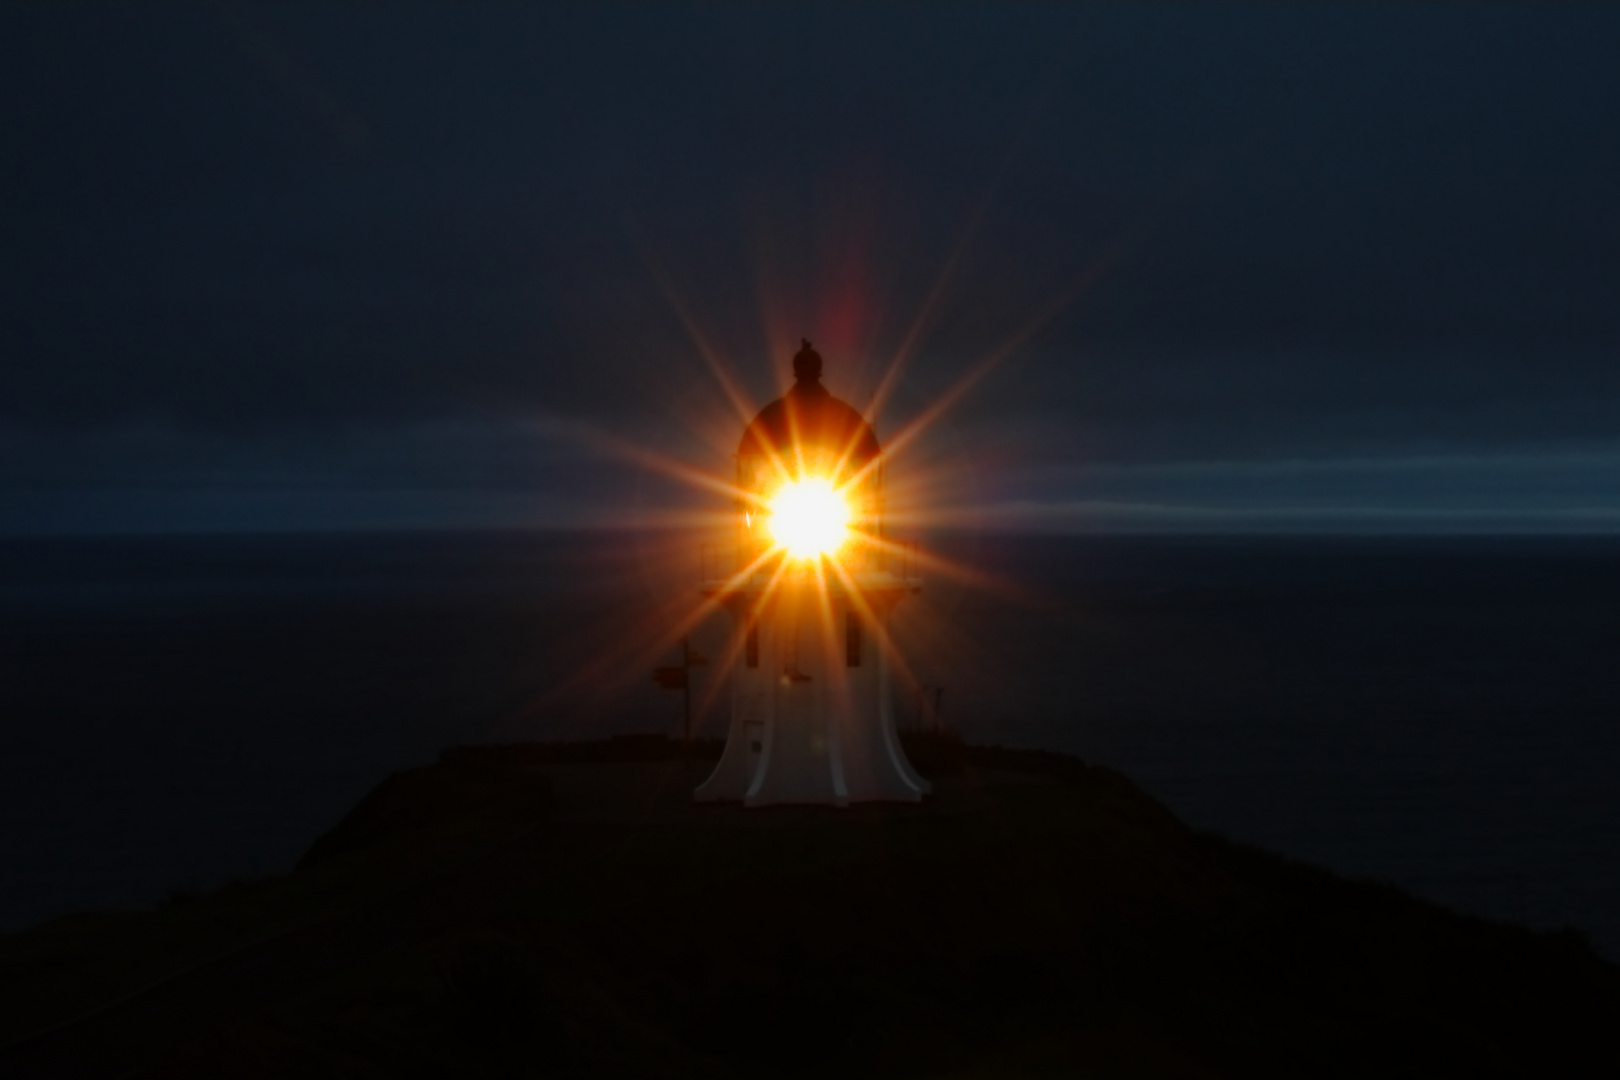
812 714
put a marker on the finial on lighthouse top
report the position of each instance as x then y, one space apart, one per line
807 364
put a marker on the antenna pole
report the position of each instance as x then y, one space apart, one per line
686 691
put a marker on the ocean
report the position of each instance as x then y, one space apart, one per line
1443 713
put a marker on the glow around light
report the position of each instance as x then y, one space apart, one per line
809 518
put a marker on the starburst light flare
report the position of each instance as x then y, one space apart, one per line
809 518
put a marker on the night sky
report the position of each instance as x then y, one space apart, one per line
1214 267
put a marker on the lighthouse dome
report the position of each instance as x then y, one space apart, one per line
807 429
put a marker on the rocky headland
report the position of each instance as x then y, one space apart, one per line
564 909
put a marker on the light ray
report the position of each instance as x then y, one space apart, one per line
885 640
966 575
614 661
739 642
739 399
913 338
824 601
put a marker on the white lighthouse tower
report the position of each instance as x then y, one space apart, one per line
812 718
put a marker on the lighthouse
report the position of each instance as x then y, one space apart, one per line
814 584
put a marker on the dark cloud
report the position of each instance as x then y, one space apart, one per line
1210 232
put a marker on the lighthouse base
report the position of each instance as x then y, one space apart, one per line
804 755
812 720
805 759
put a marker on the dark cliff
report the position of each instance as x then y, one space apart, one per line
564 910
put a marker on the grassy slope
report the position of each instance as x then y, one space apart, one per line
1053 927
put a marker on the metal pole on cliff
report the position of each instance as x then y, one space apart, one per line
680 678
686 689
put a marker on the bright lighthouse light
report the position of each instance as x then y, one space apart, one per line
809 518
